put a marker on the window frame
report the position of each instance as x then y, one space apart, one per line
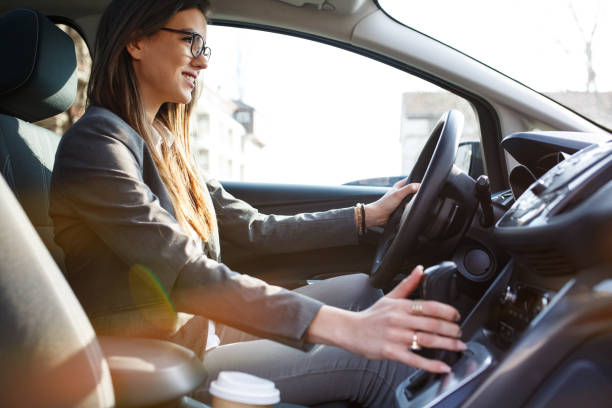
490 127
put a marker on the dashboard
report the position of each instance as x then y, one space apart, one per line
561 223
539 335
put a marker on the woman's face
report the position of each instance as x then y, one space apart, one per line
164 64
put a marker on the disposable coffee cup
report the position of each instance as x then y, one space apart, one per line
233 389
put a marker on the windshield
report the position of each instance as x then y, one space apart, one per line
561 48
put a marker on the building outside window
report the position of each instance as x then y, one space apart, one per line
223 136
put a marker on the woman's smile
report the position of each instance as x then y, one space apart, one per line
191 78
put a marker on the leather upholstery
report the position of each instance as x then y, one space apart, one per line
27 153
37 80
50 355
38 64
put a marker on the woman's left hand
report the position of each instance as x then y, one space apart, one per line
378 212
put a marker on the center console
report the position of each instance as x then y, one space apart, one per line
525 343
423 389
450 389
541 333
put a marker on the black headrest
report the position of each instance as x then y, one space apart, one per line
38 74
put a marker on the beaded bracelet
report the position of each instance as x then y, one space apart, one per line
361 218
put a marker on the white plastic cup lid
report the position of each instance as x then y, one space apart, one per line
244 388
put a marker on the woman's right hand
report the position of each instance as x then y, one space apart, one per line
386 330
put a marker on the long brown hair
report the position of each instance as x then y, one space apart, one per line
114 86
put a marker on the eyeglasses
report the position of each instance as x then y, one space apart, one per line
198 47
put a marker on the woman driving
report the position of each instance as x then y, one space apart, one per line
140 229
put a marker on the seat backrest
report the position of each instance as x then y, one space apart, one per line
49 354
38 79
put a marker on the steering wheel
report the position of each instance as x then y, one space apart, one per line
431 170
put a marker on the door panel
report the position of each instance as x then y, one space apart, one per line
293 270
290 199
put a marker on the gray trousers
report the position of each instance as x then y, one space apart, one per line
323 374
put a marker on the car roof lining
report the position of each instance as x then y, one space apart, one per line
307 18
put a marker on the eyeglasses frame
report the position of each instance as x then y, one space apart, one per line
204 50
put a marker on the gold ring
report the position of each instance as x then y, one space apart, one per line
416 308
415 342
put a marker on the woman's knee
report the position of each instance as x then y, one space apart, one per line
367 294
352 292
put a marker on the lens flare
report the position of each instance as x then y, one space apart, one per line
151 298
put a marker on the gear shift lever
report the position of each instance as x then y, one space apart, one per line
440 283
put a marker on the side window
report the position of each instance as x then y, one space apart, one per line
281 109
61 122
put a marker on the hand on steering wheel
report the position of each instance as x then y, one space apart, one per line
431 170
379 212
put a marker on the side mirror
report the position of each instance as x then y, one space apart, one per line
469 158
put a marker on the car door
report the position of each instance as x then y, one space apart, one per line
286 123
297 269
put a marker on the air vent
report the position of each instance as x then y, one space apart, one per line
543 259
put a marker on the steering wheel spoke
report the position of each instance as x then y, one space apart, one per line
408 221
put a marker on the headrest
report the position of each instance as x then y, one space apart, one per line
38 74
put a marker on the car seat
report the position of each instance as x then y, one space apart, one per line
38 79
50 354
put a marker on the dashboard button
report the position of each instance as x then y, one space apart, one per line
538 188
477 262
